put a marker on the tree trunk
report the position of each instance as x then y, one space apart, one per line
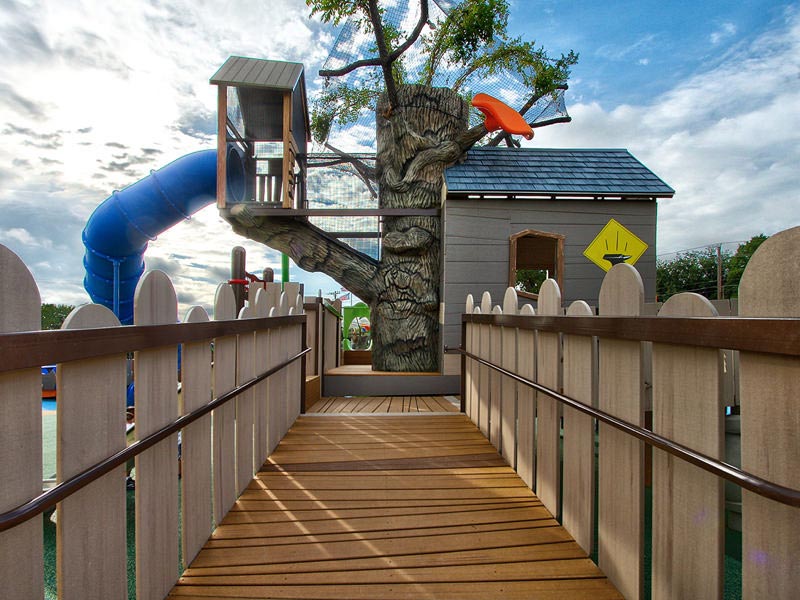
413 150
424 133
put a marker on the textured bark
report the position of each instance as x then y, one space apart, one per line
424 132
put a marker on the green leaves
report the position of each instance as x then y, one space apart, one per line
337 11
696 271
340 103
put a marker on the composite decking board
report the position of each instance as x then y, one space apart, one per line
383 404
254 551
389 507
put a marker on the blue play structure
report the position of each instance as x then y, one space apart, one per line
117 233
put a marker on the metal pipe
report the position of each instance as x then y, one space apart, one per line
748 481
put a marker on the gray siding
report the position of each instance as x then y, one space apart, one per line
476 246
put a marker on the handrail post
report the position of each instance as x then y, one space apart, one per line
304 347
464 368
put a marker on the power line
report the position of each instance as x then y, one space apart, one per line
714 245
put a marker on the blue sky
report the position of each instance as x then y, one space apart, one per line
93 95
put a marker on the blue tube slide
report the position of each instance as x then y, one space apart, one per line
117 233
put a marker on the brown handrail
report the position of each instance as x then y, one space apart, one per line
22 350
748 481
63 490
749 334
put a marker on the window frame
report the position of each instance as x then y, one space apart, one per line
512 258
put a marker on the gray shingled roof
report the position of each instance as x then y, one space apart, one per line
554 172
256 72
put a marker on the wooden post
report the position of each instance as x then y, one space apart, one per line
288 153
222 145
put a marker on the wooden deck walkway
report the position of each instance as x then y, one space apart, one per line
389 507
385 404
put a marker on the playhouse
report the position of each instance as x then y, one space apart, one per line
541 209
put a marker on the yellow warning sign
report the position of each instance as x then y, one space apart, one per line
614 244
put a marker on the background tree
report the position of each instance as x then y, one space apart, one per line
53 315
696 271
738 262
420 130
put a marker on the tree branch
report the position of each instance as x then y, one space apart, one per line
378 62
445 153
366 173
366 62
423 18
311 248
383 53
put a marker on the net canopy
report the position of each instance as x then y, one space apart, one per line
356 42
333 181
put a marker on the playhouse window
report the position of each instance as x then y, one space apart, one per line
533 257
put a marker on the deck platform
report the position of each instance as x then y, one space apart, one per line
385 404
401 506
361 380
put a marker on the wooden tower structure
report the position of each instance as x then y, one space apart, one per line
262 113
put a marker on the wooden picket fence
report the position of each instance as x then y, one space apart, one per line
597 360
220 451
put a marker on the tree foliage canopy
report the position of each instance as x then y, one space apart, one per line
696 271
470 42
53 315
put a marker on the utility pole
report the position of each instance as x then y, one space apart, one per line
720 294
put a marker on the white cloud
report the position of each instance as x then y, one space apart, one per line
727 140
725 31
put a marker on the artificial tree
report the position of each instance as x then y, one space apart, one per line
420 130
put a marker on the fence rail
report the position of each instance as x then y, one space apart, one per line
220 363
610 374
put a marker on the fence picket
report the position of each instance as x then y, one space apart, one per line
90 526
155 303
468 374
526 402
261 391
508 389
578 477
621 467
485 335
548 421
274 390
292 291
770 386
245 405
196 501
688 527
282 376
495 380
21 435
224 417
